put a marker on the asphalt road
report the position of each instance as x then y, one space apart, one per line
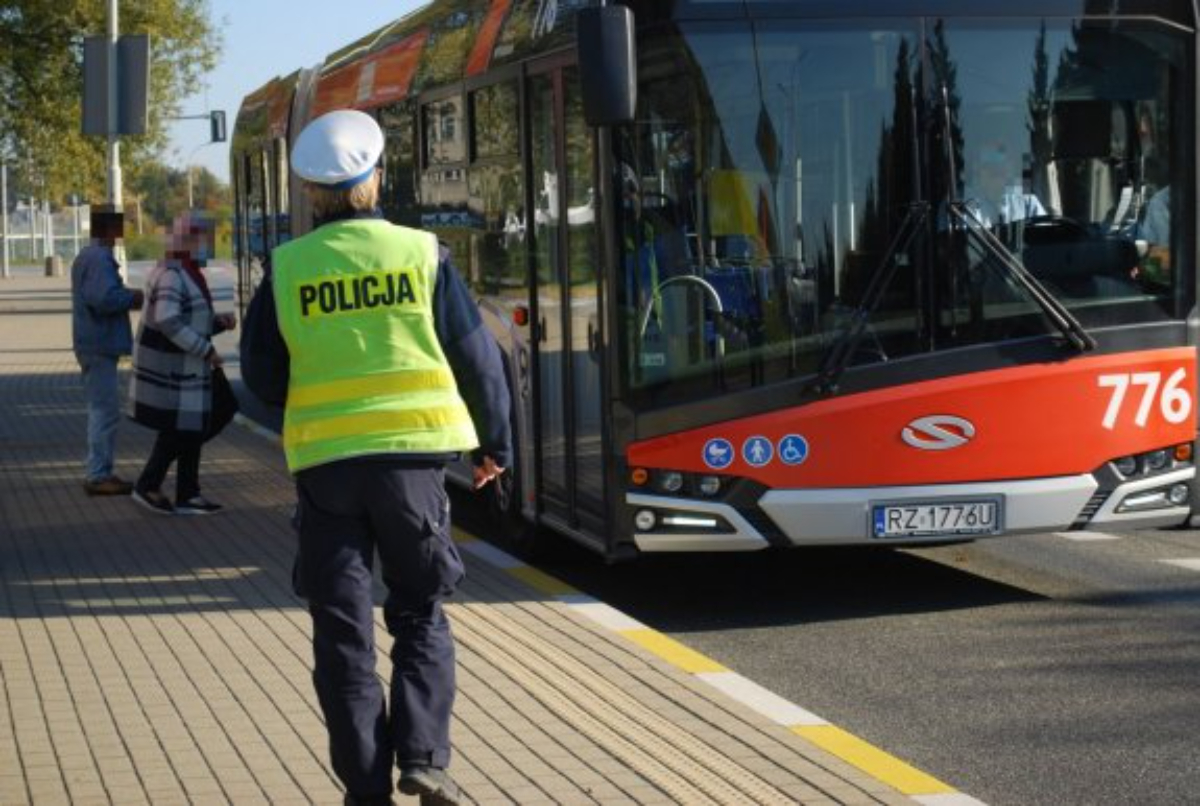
1028 670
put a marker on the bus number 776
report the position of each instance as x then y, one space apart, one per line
1174 402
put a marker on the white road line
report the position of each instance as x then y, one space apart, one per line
603 614
765 702
491 554
1087 537
948 799
1190 563
253 427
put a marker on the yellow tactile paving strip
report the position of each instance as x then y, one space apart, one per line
871 760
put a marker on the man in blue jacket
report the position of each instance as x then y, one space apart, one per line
101 334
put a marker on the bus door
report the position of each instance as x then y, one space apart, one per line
251 222
567 303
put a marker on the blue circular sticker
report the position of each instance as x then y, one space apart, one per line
757 451
718 453
793 449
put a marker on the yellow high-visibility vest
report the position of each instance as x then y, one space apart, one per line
367 373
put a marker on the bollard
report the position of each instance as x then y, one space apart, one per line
54 266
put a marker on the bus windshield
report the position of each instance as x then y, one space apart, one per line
774 172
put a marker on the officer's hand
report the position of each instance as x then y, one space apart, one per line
486 472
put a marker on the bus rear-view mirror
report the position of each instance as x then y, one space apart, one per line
607 65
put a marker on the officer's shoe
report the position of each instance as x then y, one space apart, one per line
369 800
433 784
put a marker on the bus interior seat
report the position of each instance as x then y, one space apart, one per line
1093 175
1070 252
738 292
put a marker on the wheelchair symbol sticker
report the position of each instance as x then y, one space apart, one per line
793 449
718 453
757 451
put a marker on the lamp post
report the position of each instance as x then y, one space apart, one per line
4 271
114 142
75 227
188 166
216 134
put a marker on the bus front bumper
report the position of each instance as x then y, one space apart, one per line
848 516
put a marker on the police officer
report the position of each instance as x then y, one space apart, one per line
391 374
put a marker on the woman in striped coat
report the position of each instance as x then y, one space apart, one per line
173 369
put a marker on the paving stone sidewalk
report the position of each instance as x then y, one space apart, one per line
165 660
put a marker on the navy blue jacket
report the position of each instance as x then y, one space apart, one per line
100 304
470 349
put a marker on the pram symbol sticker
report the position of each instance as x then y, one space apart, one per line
718 453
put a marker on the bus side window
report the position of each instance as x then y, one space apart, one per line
496 189
399 192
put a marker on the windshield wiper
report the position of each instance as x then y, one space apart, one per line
961 217
993 247
840 354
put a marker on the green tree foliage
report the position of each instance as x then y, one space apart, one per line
163 191
159 193
41 86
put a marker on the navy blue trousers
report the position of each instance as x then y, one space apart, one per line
349 511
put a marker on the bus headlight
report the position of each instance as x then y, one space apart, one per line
1157 460
1126 465
1161 498
670 482
709 485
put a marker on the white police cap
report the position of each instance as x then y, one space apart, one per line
338 149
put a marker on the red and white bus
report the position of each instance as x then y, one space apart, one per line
801 272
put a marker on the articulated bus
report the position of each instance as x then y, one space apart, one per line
798 272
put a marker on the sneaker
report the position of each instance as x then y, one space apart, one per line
433 784
113 485
196 505
154 501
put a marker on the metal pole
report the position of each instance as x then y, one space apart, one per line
114 144
51 256
48 228
115 191
189 166
34 240
4 271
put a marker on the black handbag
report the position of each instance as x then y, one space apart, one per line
224 404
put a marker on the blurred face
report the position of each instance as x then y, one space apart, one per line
201 245
194 239
107 227
994 172
991 179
